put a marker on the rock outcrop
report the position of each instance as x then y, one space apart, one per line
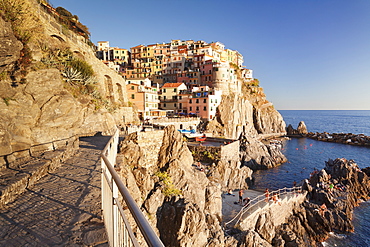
250 118
333 193
38 107
10 47
301 130
260 156
344 138
181 202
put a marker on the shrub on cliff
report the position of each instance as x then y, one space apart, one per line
26 28
168 188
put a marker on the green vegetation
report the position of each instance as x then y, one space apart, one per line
169 188
67 20
26 27
3 75
7 100
208 155
255 83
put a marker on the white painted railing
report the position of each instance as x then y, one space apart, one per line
113 191
261 200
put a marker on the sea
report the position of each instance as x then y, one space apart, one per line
304 155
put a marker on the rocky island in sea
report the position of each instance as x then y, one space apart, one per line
54 89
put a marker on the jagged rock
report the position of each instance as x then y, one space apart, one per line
38 110
267 120
310 223
235 116
259 156
265 227
10 47
302 129
179 151
238 116
231 175
181 219
253 239
349 138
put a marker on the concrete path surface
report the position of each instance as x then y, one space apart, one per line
63 208
230 207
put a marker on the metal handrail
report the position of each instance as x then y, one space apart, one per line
261 198
108 155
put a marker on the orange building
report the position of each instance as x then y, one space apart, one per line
144 96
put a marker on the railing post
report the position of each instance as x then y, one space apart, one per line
118 228
115 215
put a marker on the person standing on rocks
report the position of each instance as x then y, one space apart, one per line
241 192
267 194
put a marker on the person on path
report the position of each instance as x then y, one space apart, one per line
267 194
241 196
246 201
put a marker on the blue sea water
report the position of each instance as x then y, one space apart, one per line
306 154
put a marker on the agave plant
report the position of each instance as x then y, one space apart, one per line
89 80
72 76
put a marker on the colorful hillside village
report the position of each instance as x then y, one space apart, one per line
180 78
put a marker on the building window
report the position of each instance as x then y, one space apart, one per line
132 96
164 105
197 108
190 108
197 101
164 90
175 105
204 100
132 87
190 101
205 108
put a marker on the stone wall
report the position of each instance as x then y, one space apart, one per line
149 144
230 151
271 213
179 123
19 172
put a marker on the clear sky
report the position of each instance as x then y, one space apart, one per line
307 54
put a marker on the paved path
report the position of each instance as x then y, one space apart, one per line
63 208
230 207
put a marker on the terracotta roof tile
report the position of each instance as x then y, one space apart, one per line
172 84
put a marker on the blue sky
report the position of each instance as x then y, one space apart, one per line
307 54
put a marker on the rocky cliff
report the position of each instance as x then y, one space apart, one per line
249 117
52 86
181 200
333 193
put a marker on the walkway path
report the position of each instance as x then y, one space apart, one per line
61 209
230 208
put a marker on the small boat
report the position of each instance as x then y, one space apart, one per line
201 138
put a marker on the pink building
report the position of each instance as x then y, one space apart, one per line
204 101
206 72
